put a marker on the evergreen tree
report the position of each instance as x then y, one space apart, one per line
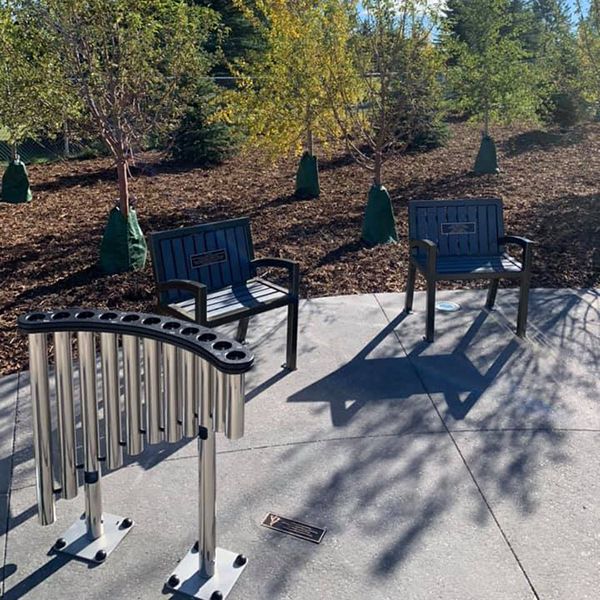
559 64
238 36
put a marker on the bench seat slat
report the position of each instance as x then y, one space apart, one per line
252 295
473 264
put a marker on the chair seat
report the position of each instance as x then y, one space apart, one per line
253 296
476 265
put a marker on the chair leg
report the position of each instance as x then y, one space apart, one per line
410 287
292 336
242 329
523 306
430 310
491 296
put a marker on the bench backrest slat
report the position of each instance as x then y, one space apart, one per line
215 254
468 227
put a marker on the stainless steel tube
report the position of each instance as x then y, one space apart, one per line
111 397
207 521
220 402
152 392
236 399
172 426
66 415
89 409
133 396
207 393
42 426
189 380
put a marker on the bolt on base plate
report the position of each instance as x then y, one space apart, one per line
75 542
227 571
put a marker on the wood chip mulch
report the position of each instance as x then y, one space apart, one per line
48 248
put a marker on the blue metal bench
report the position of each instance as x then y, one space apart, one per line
208 274
464 239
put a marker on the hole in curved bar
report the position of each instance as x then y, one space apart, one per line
151 321
130 318
222 345
86 314
109 316
235 355
189 331
207 337
60 315
36 317
172 325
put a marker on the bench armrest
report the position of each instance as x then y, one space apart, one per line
196 288
431 250
293 269
524 243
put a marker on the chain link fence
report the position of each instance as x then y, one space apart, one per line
32 151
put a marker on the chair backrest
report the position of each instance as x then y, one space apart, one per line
215 254
458 227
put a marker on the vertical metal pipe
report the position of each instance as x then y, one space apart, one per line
152 391
236 398
133 396
66 415
42 426
172 425
189 379
111 397
206 396
207 522
89 407
220 401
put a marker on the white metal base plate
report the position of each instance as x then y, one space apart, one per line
78 544
194 586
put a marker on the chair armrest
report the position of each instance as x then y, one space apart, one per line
196 288
524 243
431 250
293 269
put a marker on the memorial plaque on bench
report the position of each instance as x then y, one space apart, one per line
208 258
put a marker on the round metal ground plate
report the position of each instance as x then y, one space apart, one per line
447 306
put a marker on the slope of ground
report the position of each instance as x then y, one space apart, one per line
48 249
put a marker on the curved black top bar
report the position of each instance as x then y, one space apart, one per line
226 355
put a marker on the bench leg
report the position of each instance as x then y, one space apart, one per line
242 330
292 336
523 305
430 310
491 296
410 287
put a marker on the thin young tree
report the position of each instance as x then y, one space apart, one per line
491 76
133 64
399 66
284 95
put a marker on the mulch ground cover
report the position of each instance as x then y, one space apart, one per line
49 248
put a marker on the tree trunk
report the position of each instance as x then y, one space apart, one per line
486 124
66 141
123 186
377 169
14 152
310 143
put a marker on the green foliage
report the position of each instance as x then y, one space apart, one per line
588 46
202 138
491 75
287 92
237 38
559 66
33 97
